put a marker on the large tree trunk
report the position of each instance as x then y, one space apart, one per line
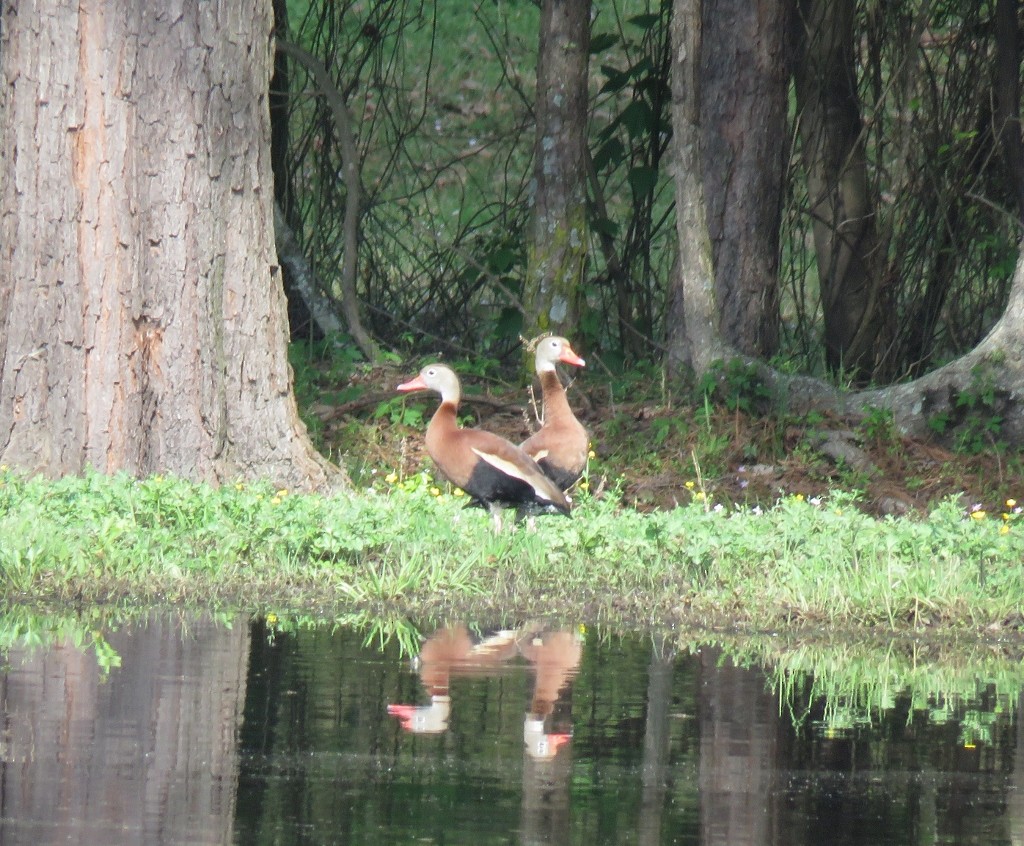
981 387
743 103
992 374
558 245
841 207
144 322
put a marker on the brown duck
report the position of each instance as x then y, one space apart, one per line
492 470
561 444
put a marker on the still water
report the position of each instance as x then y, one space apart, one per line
194 730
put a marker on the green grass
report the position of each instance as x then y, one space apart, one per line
410 544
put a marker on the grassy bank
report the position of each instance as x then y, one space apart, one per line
410 544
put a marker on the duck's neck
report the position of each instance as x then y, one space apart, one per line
443 423
556 406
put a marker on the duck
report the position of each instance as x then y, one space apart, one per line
561 445
492 470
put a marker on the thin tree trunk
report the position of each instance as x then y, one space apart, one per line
841 206
305 287
143 316
693 338
557 253
743 103
350 164
302 325
655 767
1008 55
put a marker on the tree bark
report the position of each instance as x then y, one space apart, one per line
743 103
693 339
1007 105
557 253
841 207
144 323
995 367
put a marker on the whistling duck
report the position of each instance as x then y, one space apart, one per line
560 447
492 470
540 744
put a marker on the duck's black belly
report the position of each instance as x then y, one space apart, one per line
489 484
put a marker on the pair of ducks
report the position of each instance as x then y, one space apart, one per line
494 471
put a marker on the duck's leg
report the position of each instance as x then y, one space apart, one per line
495 510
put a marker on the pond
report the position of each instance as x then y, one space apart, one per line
194 729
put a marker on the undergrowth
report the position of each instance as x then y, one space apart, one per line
411 542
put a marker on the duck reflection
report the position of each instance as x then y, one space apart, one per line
544 813
555 658
450 652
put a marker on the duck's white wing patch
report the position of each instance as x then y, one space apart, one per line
511 469
507 467
539 454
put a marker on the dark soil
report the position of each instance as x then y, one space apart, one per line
666 454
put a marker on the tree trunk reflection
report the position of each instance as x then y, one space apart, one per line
656 744
146 755
739 740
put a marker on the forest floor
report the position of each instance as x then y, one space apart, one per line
661 453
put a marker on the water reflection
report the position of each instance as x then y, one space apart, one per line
742 754
146 755
210 733
553 657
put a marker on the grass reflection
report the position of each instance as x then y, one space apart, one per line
841 684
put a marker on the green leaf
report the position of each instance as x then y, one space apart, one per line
604 226
602 41
637 118
501 260
612 152
509 323
644 21
616 79
642 69
590 323
643 180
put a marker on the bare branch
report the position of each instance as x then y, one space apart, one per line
350 168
